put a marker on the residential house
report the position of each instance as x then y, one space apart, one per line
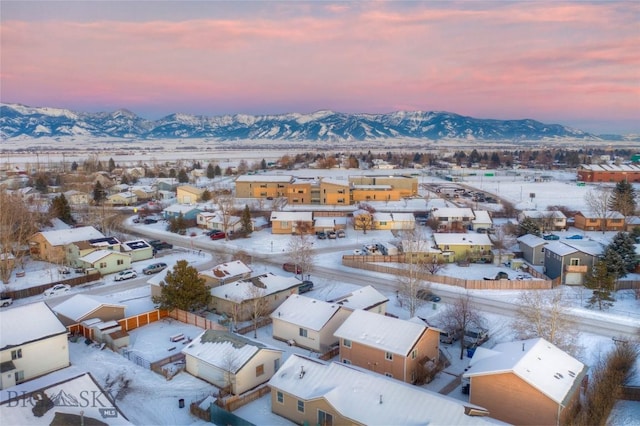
122 199
291 222
549 220
106 261
187 194
27 352
78 249
571 261
453 219
230 361
187 211
166 184
482 220
366 298
50 246
225 273
137 250
144 193
240 300
70 396
533 370
308 323
80 307
393 221
310 391
386 345
591 221
77 198
216 220
532 248
464 247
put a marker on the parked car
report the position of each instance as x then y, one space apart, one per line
332 235
57 290
218 236
550 237
159 245
154 268
5 301
292 267
125 275
149 221
575 237
481 230
305 286
321 235
474 337
340 233
499 276
427 295
213 231
450 336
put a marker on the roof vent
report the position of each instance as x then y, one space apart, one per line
558 376
572 374
301 375
380 398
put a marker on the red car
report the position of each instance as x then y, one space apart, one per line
218 236
290 267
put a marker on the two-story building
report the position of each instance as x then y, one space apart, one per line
548 220
453 219
571 261
464 247
592 221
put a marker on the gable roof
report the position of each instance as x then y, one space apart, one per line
61 237
481 216
559 248
305 311
242 290
532 240
363 298
181 208
457 238
219 348
97 255
15 331
235 268
453 212
291 216
536 361
372 399
79 306
380 331
543 214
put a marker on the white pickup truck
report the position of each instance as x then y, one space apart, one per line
5 301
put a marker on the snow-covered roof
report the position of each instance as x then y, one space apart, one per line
540 214
224 350
80 305
292 216
370 398
482 216
42 323
599 215
380 331
242 290
68 389
531 240
135 245
335 181
324 221
382 217
455 238
453 212
97 255
611 167
264 178
180 208
594 248
306 312
559 248
62 237
536 361
403 217
372 187
235 268
362 298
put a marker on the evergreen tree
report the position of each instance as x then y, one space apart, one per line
74 166
245 220
263 164
98 193
41 183
615 263
623 199
206 195
602 282
61 209
177 224
112 165
217 171
182 288
124 180
211 173
623 244
528 226
182 176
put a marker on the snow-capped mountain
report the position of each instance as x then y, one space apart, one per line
18 120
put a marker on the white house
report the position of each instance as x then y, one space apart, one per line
106 261
33 342
308 322
482 220
231 361
225 273
81 307
366 298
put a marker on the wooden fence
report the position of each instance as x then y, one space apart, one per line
198 321
365 262
261 323
234 402
127 324
37 290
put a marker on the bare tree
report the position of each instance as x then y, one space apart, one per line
258 306
542 313
598 201
279 203
502 240
229 366
411 286
363 220
226 208
301 252
460 316
17 224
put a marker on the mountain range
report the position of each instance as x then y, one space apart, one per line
22 121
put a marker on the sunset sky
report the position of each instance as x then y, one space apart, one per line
572 63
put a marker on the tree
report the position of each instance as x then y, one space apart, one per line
263 164
459 316
528 226
300 251
206 195
245 220
257 304
598 201
74 166
61 209
178 224
182 288
182 176
243 167
17 224
410 284
501 241
542 313
99 194
211 173
623 199
623 244
217 171
112 165
226 208
602 282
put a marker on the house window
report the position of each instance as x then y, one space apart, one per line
414 354
324 419
574 262
260 370
263 185
413 376
388 356
263 194
120 261
284 224
383 223
302 332
346 361
276 364
280 397
341 200
15 354
301 406
103 265
446 247
346 343
19 376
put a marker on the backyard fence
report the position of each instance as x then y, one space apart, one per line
37 290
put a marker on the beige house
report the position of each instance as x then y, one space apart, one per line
390 221
533 370
264 293
225 273
137 249
308 323
366 298
106 261
231 361
310 391
187 194
50 246
386 345
290 222
30 352
80 307
549 220
453 219
77 198
144 193
126 198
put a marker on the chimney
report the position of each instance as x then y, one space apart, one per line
522 346
380 398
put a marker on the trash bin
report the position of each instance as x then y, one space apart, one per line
181 403
470 352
